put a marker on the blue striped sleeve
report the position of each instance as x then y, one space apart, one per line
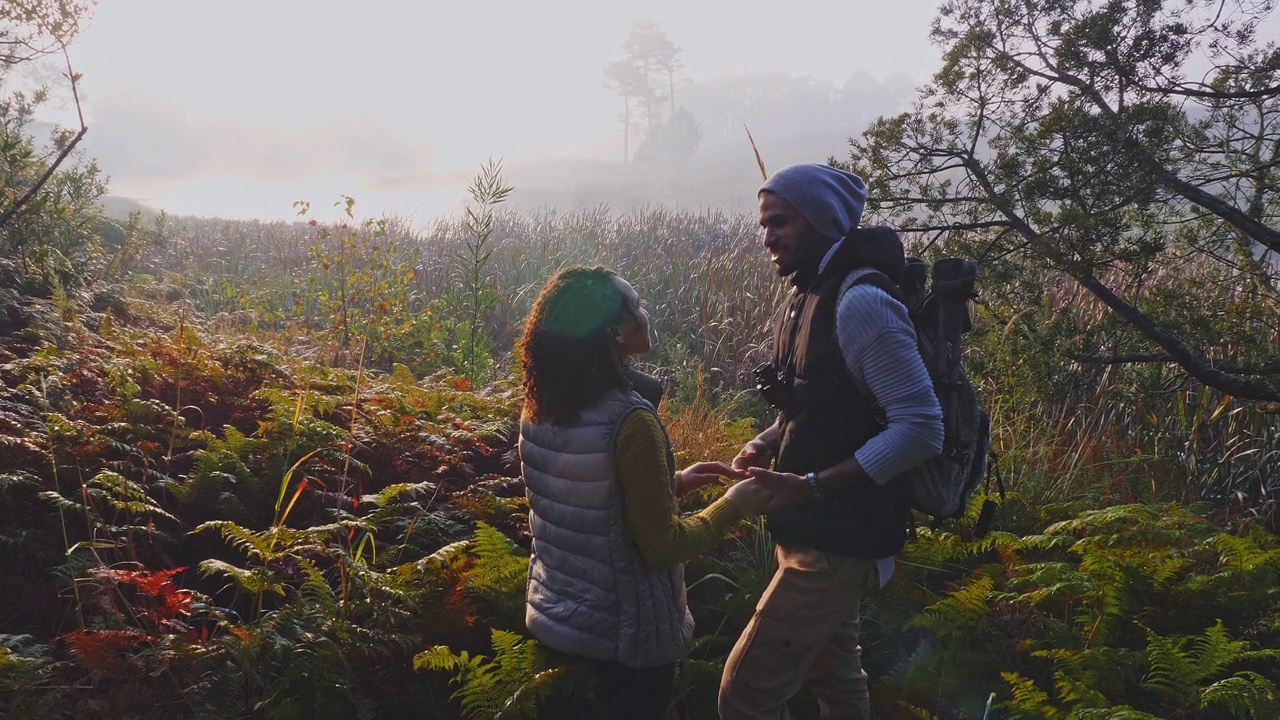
878 342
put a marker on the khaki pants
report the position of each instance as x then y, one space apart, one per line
805 629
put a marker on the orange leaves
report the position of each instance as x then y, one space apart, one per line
106 651
152 597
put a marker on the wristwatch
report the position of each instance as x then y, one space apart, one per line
815 487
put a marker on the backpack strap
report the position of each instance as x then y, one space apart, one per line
866 276
870 276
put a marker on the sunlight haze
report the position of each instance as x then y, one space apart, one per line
237 109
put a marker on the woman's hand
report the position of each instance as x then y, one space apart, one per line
702 474
787 490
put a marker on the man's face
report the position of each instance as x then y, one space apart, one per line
790 239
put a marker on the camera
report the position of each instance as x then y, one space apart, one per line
774 387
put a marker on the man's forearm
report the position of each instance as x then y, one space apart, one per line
843 475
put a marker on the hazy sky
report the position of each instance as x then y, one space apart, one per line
239 107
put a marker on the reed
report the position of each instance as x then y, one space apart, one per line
1069 428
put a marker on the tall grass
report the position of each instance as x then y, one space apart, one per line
1069 429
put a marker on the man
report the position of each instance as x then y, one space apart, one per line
856 409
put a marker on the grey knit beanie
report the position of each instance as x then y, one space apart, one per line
830 199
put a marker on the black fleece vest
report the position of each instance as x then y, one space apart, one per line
830 421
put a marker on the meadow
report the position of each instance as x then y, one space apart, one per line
267 469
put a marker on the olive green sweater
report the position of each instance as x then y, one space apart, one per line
663 537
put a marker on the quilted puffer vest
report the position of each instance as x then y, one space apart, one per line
589 592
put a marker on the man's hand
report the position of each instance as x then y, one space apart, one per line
755 454
787 489
702 474
752 497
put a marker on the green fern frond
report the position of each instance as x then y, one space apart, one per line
123 495
202 487
1088 677
1245 695
509 686
1250 553
1027 699
256 580
1180 666
1078 692
499 572
62 504
29 678
441 659
255 545
1115 529
1171 669
400 493
961 613
997 540
1051 581
448 556
1113 519
1122 712
1214 650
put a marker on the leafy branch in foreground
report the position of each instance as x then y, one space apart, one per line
1066 136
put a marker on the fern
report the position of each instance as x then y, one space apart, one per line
1123 712
961 614
14 479
28 679
255 581
1179 668
1028 700
499 573
224 481
1090 677
508 687
1245 695
292 664
109 499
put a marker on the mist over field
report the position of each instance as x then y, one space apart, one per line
238 112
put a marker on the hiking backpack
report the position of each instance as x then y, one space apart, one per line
943 486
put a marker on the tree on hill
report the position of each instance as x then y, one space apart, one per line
1130 146
673 140
650 61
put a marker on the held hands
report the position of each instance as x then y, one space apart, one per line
702 474
762 491
751 496
786 490
765 491
755 454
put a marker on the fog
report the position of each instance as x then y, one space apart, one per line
239 108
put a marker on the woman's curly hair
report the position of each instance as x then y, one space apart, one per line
569 349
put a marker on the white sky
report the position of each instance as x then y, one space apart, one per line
239 107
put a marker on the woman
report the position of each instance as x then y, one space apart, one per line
606 576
